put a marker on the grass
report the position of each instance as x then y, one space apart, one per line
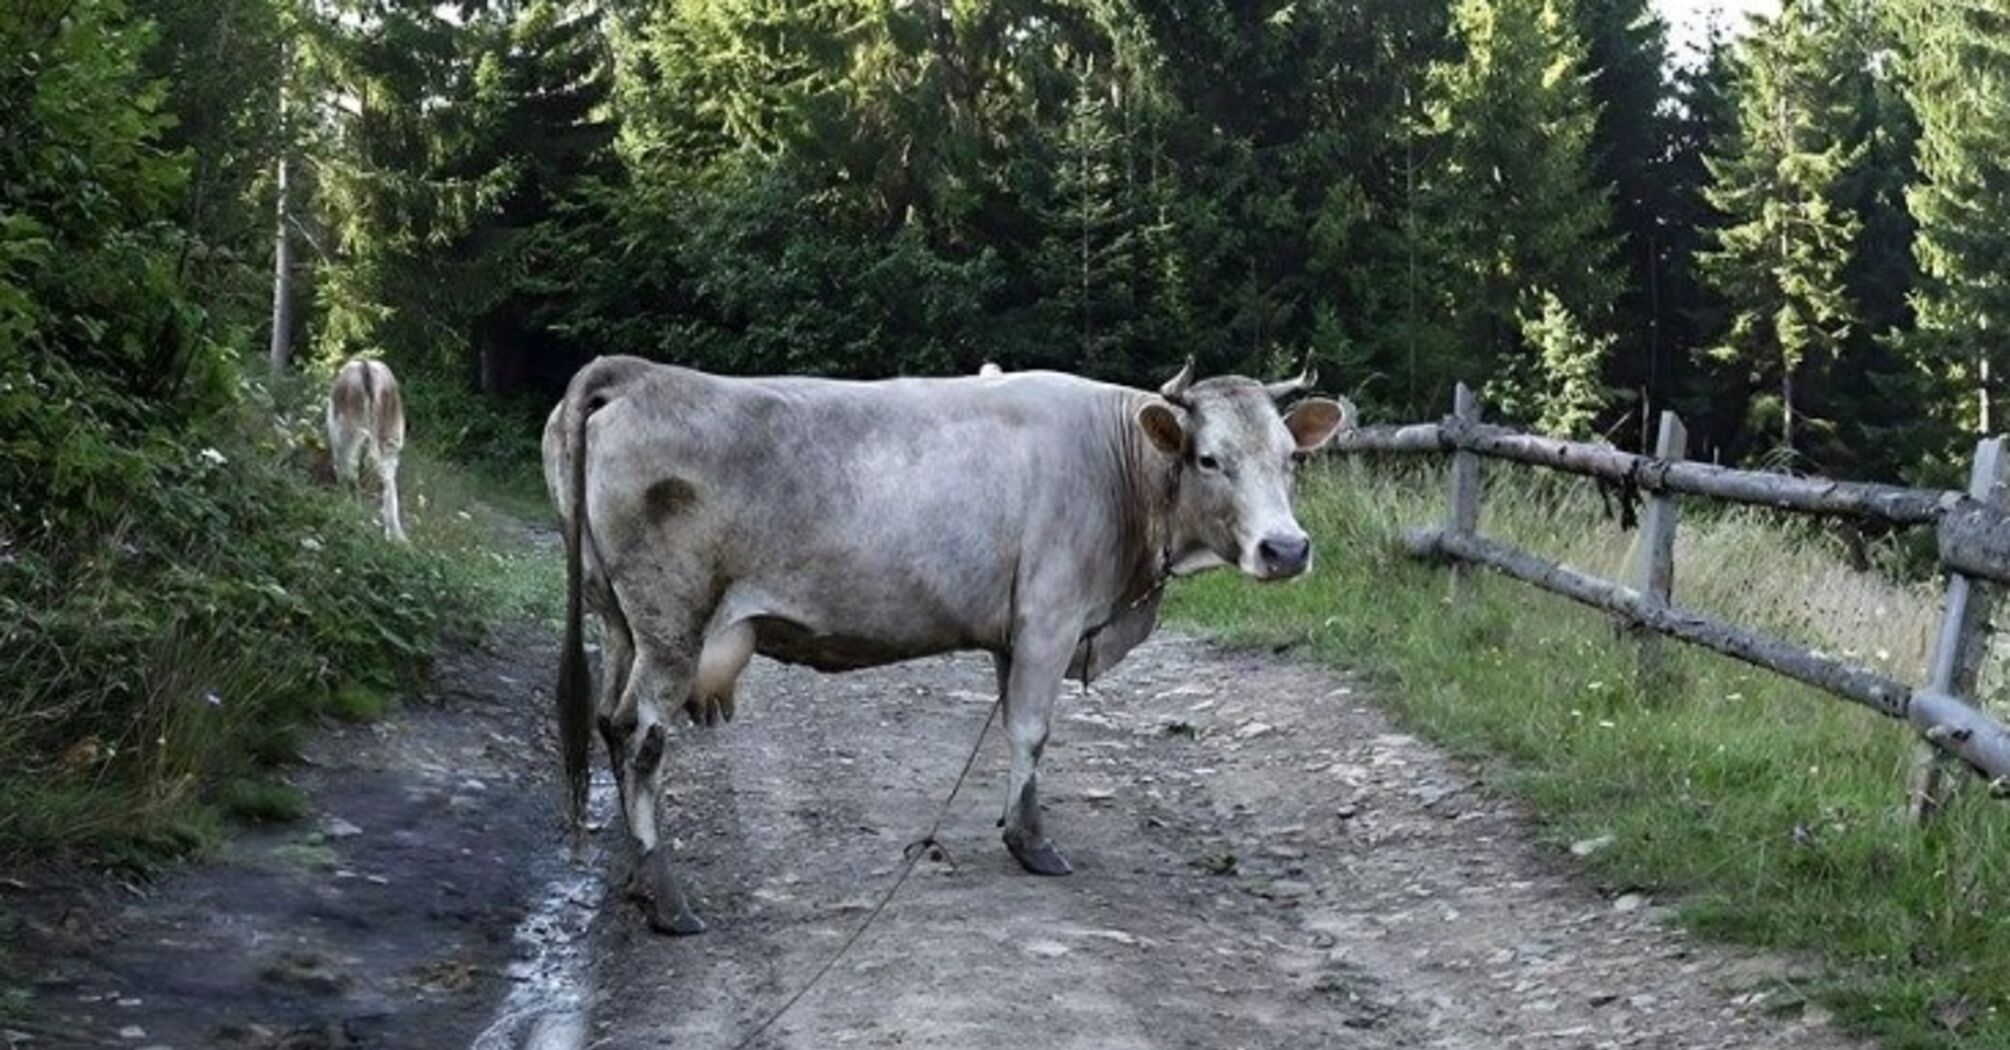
358 702
480 519
261 801
1771 815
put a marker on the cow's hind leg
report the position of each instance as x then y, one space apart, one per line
345 449
1037 666
617 659
1001 667
657 675
387 476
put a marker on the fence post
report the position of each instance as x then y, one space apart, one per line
1657 549
1463 506
1963 639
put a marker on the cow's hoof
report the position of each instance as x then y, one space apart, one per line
649 754
666 906
1037 855
680 922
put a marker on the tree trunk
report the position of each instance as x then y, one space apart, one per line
501 367
502 350
1982 394
282 245
1787 408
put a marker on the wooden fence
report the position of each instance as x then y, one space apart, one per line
1974 546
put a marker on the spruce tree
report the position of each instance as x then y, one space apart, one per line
1779 259
539 87
1090 254
1709 393
1875 397
1626 53
1572 392
1959 85
1514 202
453 140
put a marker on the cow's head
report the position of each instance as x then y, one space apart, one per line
1237 455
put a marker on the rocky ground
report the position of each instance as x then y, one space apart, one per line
1261 861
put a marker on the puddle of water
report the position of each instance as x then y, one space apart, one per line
557 1032
549 1005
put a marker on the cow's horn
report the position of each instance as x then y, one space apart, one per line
1175 388
1303 382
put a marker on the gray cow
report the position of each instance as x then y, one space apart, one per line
841 525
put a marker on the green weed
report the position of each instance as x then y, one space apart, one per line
359 702
262 801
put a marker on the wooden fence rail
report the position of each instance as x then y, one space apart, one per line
1974 541
1894 504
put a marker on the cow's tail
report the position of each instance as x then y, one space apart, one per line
368 374
575 688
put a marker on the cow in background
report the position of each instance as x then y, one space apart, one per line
365 413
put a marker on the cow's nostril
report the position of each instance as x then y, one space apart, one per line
1285 553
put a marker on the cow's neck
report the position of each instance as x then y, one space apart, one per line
1149 521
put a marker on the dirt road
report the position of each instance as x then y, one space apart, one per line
1261 861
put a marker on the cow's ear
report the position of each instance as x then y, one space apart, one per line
1315 420
1162 425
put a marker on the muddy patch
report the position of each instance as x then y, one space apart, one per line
389 918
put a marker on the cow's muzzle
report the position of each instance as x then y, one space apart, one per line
1282 557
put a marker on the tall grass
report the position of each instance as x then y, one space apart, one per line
1769 814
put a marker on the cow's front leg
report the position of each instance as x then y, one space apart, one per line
1038 662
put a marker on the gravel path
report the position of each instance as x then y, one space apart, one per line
1262 861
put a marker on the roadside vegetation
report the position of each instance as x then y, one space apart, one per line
193 599
1765 813
182 592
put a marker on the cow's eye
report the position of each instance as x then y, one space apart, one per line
1207 463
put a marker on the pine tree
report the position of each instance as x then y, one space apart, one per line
1572 393
1876 397
1779 260
1626 46
1959 85
1091 251
457 138
538 91
1710 395
1514 202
